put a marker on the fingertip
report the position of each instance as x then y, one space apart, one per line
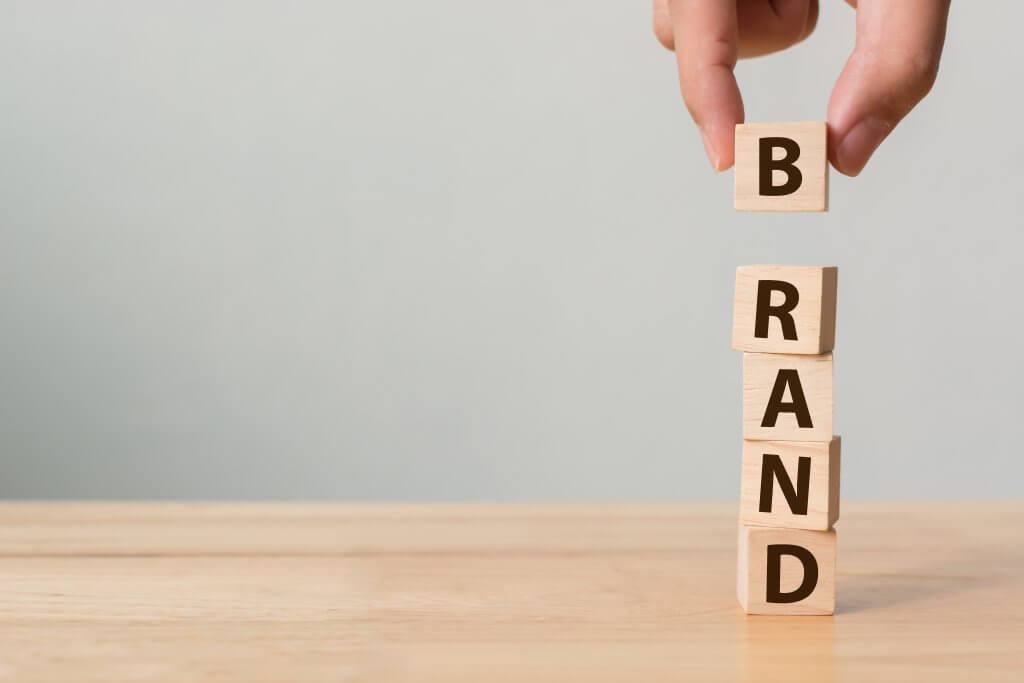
719 144
711 150
728 152
851 150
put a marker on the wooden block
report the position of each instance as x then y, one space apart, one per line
787 397
792 484
781 167
785 309
786 571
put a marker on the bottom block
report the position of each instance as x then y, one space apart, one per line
786 571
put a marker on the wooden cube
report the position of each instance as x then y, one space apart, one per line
786 571
787 397
792 484
781 167
785 309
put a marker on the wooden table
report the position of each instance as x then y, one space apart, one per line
484 593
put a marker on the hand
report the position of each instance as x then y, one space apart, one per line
893 65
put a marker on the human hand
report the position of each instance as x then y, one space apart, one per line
893 65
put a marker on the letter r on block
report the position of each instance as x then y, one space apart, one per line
785 309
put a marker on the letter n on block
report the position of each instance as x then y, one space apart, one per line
781 167
793 484
786 571
787 397
785 309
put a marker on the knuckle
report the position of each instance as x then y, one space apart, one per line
794 21
917 74
793 28
661 23
903 79
716 51
663 32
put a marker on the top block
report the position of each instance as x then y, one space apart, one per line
781 167
785 309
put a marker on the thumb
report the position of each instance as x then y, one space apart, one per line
892 68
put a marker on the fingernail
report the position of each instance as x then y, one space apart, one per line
860 143
709 148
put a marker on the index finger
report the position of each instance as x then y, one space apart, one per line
706 41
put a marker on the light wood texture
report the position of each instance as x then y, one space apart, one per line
813 312
821 494
467 593
812 193
752 571
761 374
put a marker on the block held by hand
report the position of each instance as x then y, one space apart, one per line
781 167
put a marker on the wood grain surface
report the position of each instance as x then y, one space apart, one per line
265 592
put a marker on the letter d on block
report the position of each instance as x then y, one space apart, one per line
786 571
773 581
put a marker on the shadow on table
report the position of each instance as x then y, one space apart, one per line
963 570
860 592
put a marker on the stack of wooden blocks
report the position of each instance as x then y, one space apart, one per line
784 323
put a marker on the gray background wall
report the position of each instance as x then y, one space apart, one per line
464 250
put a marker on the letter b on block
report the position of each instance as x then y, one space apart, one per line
768 163
781 167
785 309
786 571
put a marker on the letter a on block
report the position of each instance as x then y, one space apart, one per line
785 309
787 397
781 167
786 571
787 379
792 484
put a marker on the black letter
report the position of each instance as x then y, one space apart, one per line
798 406
810 582
786 164
765 310
796 499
